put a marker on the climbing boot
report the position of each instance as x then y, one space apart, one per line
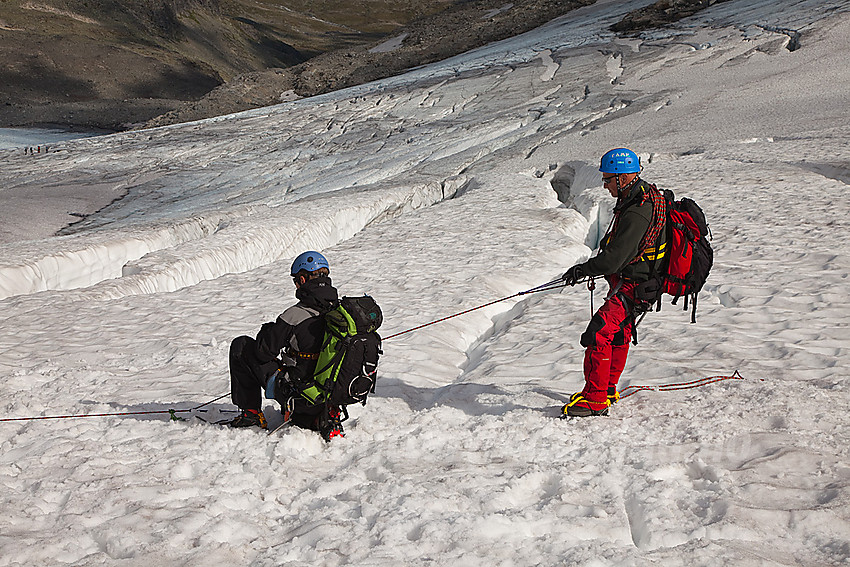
578 406
249 418
330 423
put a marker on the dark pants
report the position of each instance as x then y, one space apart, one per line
248 376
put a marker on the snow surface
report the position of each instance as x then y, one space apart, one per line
447 188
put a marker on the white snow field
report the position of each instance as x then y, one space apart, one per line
449 187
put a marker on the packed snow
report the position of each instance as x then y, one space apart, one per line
130 262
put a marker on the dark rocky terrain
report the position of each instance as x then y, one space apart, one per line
661 13
455 30
115 63
118 65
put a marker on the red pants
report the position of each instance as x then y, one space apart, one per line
606 340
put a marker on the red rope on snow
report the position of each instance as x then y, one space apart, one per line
679 385
554 284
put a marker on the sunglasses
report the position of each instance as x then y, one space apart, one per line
608 178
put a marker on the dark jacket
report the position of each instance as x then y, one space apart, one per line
633 217
299 329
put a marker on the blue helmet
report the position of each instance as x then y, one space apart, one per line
620 160
309 261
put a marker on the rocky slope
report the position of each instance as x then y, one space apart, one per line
452 31
113 63
661 13
139 63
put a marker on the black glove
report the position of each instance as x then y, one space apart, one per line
573 275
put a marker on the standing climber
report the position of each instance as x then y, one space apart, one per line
627 256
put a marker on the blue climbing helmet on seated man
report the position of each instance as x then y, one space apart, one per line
309 261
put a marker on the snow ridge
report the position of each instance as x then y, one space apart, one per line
204 247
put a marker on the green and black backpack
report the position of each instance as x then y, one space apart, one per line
347 367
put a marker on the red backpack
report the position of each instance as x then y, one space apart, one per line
684 268
689 255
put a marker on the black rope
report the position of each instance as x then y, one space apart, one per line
554 284
172 412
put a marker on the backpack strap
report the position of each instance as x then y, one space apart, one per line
342 347
665 232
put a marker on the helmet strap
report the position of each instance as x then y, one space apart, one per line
621 190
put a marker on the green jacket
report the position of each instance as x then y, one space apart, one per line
622 243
